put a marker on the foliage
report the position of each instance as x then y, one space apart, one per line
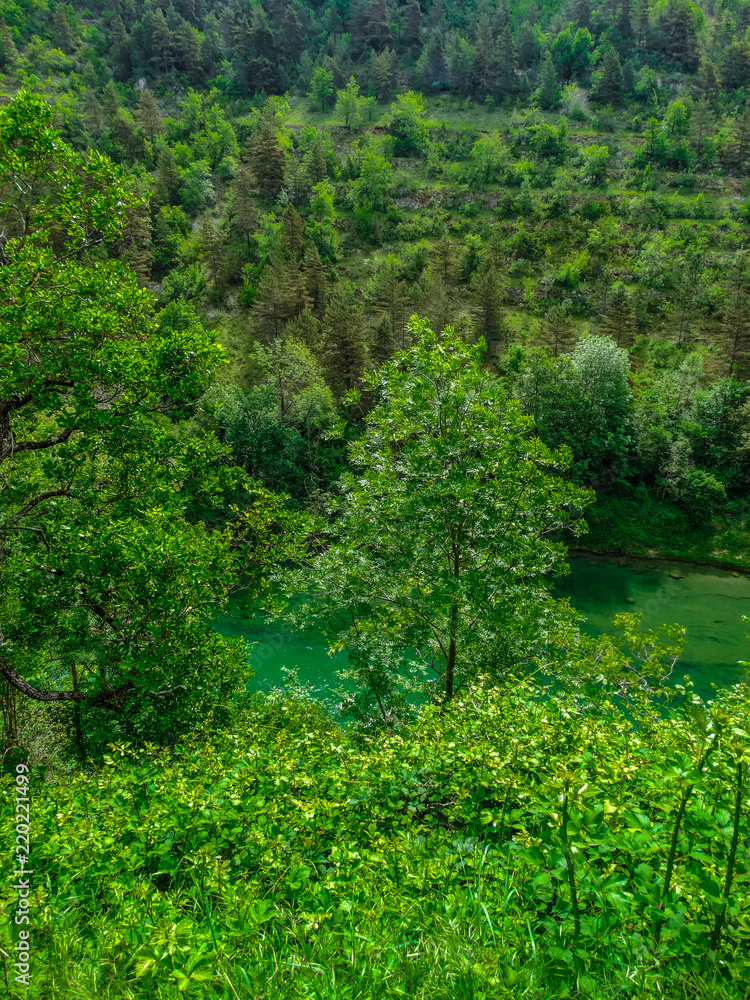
108 562
455 500
511 844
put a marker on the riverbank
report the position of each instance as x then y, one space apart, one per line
641 526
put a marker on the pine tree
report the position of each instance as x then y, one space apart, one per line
315 279
502 18
119 50
619 319
607 88
293 233
64 36
293 32
444 260
624 22
376 28
187 50
384 74
246 212
708 78
315 164
412 38
187 9
556 330
344 348
161 42
702 124
267 157
549 93
582 13
392 298
382 345
212 250
135 246
148 116
679 34
485 57
507 61
640 21
282 295
168 176
734 335
111 100
487 305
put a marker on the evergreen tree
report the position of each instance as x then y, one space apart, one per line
212 250
161 42
282 295
266 156
702 124
63 34
384 74
487 305
708 79
315 279
485 57
679 34
619 319
556 330
507 61
624 21
432 66
412 38
243 198
460 56
582 13
119 50
293 32
607 86
148 116
548 93
135 246
444 260
344 347
382 344
315 163
187 49
640 21
734 335
529 49
376 29
293 233
392 298
168 176
187 9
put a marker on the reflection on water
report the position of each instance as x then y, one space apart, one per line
708 602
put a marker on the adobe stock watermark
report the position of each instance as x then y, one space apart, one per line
22 875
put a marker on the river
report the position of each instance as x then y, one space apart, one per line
708 602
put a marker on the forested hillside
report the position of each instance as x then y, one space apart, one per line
385 305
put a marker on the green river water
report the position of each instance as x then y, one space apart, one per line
708 602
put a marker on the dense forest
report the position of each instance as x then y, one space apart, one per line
368 312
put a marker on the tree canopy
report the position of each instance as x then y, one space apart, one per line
439 561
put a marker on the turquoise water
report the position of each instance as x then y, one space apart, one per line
708 602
